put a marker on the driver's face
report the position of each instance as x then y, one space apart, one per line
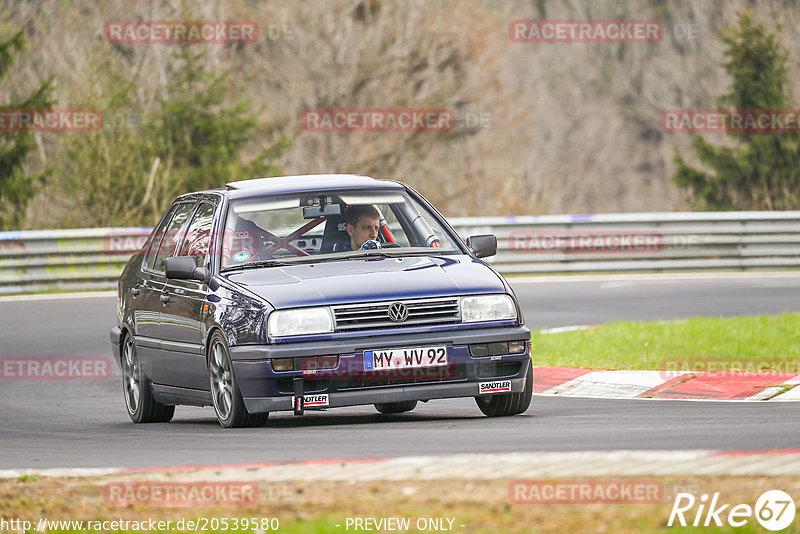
366 228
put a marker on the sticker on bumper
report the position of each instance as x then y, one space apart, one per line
499 386
315 401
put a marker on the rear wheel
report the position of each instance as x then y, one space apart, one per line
509 403
142 407
228 403
396 407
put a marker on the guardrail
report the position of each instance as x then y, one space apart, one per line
66 260
642 241
33 261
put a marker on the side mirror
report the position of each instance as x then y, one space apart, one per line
185 268
483 246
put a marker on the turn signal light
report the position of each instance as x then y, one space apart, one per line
499 348
283 364
516 347
306 363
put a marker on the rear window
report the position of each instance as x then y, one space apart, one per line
198 235
168 236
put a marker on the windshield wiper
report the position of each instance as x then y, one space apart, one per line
353 255
255 265
382 253
394 252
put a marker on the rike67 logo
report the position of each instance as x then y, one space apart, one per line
774 510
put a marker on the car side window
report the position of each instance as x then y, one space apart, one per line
155 243
434 236
170 238
393 224
198 236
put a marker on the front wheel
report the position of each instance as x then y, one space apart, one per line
395 407
142 407
508 403
228 403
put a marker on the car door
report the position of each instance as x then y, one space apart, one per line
146 308
150 284
183 328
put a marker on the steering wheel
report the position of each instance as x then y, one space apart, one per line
370 244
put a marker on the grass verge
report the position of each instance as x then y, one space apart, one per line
650 345
475 506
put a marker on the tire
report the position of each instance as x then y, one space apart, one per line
139 401
396 407
227 399
509 403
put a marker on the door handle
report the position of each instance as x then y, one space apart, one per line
164 298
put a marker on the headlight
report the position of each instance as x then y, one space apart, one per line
300 321
487 308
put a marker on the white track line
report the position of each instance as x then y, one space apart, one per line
778 398
562 329
60 296
650 277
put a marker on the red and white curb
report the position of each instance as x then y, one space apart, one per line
570 381
470 467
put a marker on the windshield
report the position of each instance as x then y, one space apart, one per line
322 226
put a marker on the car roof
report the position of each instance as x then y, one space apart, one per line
306 182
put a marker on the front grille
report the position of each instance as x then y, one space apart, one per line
376 314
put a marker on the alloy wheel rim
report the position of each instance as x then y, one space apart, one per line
130 377
221 384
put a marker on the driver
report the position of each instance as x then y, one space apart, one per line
362 225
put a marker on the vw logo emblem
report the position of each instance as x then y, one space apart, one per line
398 312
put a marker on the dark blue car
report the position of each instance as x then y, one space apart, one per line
315 292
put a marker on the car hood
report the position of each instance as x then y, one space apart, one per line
369 279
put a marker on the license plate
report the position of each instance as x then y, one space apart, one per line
411 358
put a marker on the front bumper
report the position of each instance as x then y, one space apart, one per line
116 339
265 390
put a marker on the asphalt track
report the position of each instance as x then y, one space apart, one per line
83 423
